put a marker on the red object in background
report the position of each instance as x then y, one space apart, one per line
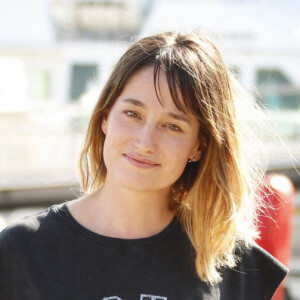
276 221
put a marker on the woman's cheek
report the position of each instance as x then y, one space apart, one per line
121 125
175 146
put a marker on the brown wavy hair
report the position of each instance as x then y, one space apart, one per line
214 197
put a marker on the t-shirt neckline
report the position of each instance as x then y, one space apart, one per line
65 215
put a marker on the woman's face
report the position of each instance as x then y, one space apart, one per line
147 145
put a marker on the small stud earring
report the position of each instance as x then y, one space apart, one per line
191 159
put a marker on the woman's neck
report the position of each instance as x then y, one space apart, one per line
121 213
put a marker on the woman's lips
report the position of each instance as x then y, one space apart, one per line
140 162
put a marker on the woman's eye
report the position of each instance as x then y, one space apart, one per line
173 127
131 114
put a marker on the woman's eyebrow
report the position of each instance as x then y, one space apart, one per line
135 102
179 117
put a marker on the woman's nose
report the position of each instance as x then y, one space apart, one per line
146 139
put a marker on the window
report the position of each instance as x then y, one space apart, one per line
276 90
42 86
83 76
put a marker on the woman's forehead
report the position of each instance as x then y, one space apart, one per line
165 84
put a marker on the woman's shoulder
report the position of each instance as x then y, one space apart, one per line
32 226
257 272
254 257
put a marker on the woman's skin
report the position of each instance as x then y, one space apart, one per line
146 149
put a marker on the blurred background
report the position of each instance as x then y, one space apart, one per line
55 56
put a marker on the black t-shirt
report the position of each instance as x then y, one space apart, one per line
50 256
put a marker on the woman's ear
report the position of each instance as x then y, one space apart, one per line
104 121
200 150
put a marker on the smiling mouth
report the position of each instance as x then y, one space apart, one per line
140 162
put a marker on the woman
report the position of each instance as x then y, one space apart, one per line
169 206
